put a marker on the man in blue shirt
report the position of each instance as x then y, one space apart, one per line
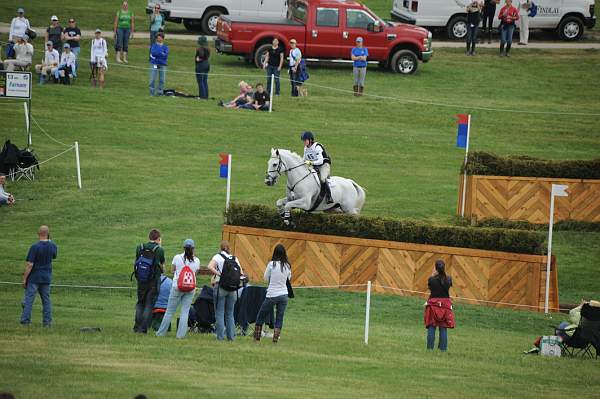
38 276
159 52
359 57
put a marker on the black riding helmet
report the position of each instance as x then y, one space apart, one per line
307 136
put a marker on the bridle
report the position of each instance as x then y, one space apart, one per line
285 169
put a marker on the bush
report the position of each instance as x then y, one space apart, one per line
483 163
418 232
571 225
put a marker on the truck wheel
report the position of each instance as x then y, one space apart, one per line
570 29
405 62
457 28
209 21
260 54
192 25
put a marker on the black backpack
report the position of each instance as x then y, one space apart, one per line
230 274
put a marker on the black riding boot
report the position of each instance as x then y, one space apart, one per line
473 48
508 49
328 197
501 49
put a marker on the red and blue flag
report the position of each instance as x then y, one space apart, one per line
463 130
224 165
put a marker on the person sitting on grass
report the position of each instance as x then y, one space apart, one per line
261 98
160 306
245 90
49 64
5 198
66 68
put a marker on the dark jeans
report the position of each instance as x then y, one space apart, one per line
122 39
294 82
488 16
472 33
30 291
443 345
280 303
202 70
147 294
272 70
506 33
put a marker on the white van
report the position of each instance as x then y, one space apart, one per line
568 17
201 15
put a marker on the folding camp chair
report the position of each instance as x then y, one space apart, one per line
585 337
26 165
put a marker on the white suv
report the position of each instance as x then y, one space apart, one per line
201 15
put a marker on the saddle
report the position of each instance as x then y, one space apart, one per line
321 197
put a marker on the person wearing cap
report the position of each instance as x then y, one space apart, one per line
186 258
23 54
18 28
359 55
66 68
202 67
124 26
54 33
98 59
49 64
157 23
294 60
438 309
72 35
159 53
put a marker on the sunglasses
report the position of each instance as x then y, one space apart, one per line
71 21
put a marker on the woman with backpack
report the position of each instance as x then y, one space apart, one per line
185 268
277 274
438 309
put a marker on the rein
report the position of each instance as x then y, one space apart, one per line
286 169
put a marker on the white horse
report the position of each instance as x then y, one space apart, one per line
303 187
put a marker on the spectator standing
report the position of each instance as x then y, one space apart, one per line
359 55
54 33
507 16
147 291
294 59
187 258
224 300
23 54
157 23
66 68
438 310
38 276
5 198
202 67
273 64
49 64
124 28
72 35
524 6
18 28
277 274
473 20
160 306
159 53
489 12
98 59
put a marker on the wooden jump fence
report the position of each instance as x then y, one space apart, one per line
498 279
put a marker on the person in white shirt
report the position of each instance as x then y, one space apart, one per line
49 64
187 258
18 27
277 274
294 60
98 57
524 6
23 54
315 156
66 68
224 300
5 198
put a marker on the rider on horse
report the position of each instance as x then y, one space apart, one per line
316 156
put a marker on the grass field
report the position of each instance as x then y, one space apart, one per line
153 162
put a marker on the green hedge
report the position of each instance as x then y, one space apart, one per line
483 163
570 225
496 239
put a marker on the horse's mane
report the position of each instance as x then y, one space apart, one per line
292 153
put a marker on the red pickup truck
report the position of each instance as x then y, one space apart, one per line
327 29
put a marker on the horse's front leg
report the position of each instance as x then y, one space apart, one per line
280 205
301 203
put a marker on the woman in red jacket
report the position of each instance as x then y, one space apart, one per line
508 16
438 310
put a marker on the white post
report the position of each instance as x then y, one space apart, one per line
367 313
228 182
464 188
549 261
271 93
27 123
78 164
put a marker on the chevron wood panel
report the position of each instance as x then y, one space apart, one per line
395 269
482 277
522 198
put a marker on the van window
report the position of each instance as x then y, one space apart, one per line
328 17
299 11
358 19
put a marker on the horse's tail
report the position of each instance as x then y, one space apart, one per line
361 196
